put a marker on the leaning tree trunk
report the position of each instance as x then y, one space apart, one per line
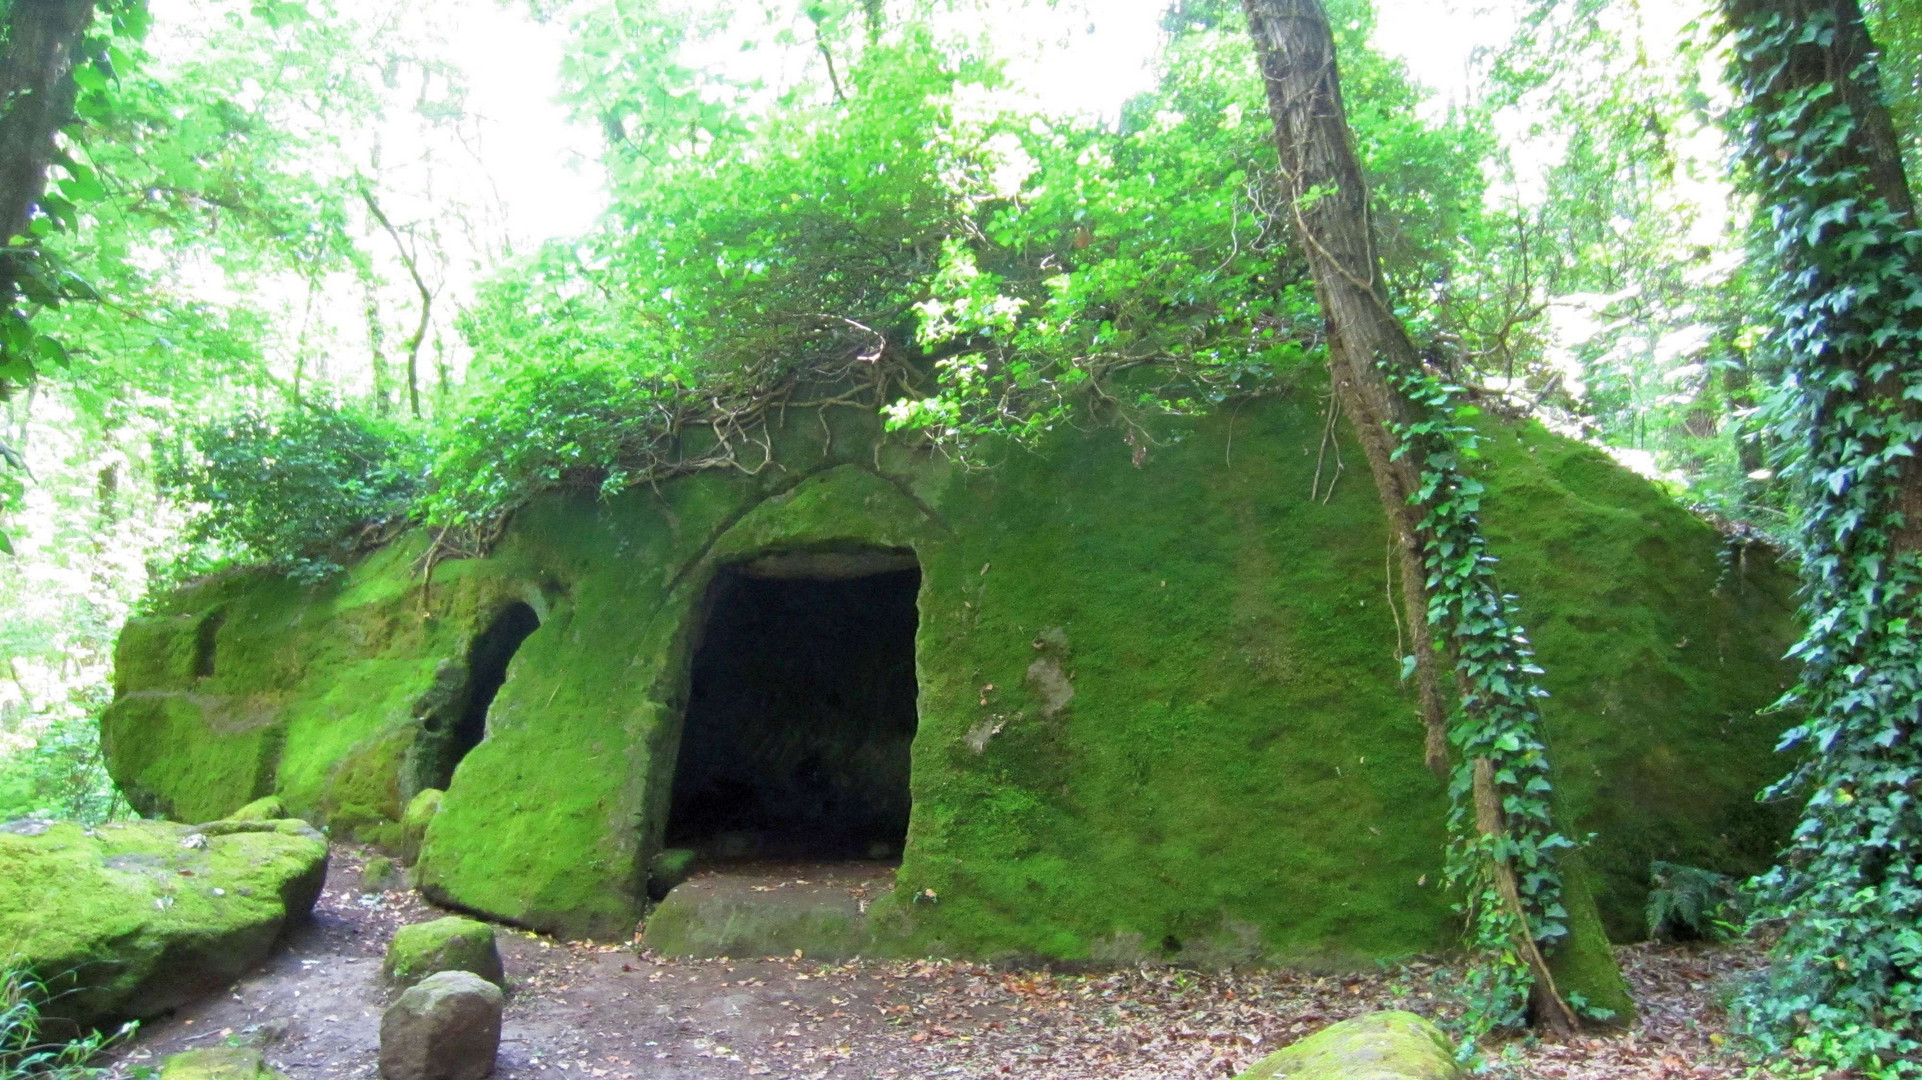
1846 293
1295 46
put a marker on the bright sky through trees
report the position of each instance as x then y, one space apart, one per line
1077 61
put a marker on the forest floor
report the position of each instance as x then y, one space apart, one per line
580 1011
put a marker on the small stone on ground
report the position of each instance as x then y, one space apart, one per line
450 944
446 1027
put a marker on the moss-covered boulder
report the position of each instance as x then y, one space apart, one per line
219 1063
1379 1046
446 944
134 918
269 808
762 915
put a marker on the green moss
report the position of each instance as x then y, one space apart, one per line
362 796
1584 966
1378 1046
1659 665
266 809
414 821
380 874
175 755
218 1063
731 922
447 944
669 868
136 918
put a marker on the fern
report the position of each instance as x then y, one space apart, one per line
1688 903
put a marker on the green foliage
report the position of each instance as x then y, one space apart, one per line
919 240
1622 274
1496 720
61 772
1846 987
299 491
34 276
1688 903
26 1051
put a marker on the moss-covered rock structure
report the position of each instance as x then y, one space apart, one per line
134 918
1105 699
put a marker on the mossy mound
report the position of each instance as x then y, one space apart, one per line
446 944
135 918
219 1063
267 809
1378 1046
1159 714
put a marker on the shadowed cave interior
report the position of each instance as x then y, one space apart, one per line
801 712
452 731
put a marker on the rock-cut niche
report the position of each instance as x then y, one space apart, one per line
458 726
801 711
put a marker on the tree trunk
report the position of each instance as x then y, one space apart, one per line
1329 198
1846 62
1822 151
44 39
1297 55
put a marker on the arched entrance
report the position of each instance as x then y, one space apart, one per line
801 711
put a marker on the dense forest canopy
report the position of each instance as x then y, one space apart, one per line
279 300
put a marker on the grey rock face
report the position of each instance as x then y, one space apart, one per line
446 1027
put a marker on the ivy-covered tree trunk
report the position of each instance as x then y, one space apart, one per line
1502 821
1846 264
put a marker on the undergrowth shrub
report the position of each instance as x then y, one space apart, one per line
299 491
28 1051
1688 903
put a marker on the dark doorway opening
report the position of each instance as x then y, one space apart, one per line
801 713
487 670
458 721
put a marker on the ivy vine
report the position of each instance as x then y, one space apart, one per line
1846 985
1495 721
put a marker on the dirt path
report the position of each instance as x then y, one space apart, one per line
599 1012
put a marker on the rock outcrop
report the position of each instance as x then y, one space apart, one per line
134 918
1155 706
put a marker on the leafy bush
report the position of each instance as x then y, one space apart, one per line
1687 903
568 423
26 1053
299 491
